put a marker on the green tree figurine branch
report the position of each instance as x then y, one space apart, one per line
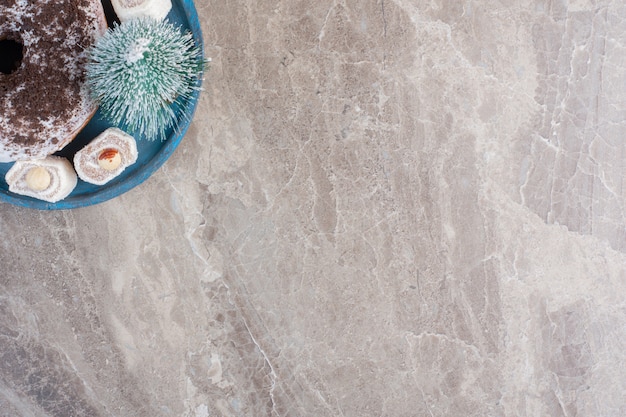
142 72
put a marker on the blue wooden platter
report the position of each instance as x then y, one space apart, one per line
151 153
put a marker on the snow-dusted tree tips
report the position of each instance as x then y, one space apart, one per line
139 69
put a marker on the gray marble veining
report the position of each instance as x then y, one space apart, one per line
382 208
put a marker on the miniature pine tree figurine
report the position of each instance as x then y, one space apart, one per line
138 69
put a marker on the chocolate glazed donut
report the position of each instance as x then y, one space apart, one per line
44 102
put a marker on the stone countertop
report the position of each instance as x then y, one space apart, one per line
382 208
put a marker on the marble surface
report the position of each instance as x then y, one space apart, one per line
382 208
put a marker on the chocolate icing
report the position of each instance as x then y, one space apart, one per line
47 87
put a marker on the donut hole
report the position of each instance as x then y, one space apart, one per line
11 54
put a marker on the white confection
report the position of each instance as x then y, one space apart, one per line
62 178
131 9
86 161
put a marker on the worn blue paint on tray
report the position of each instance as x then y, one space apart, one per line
152 153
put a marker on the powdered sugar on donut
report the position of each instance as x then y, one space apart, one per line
45 103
